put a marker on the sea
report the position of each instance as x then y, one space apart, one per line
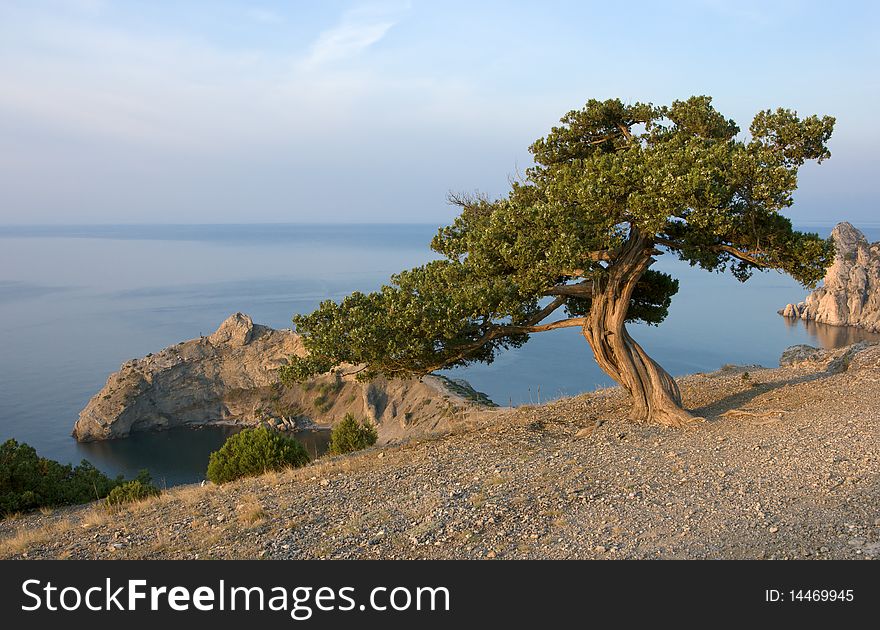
78 301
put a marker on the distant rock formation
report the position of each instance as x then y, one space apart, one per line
230 377
850 293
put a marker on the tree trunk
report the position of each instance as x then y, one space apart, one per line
656 397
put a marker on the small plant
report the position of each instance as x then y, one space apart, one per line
350 435
251 512
254 452
138 489
321 403
746 376
327 394
331 388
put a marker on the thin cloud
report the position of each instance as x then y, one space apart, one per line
356 32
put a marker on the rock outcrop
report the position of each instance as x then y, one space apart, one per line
850 293
835 360
230 377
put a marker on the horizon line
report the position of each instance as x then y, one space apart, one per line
808 222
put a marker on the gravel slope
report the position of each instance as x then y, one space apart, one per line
785 466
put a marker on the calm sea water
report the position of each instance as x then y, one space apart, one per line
76 302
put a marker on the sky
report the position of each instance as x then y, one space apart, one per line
217 111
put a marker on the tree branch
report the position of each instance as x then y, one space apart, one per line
604 255
749 257
545 312
600 255
519 330
581 289
357 371
495 331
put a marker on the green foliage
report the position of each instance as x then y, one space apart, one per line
327 393
680 176
137 489
321 403
28 481
254 452
349 435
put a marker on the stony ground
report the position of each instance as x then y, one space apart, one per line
785 466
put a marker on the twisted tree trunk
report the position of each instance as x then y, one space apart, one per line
656 397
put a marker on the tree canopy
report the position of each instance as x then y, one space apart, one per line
612 186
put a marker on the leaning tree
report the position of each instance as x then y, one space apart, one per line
613 186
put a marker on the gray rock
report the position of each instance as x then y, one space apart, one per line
850 292
799 354
231 377
858 357
842 360
790 310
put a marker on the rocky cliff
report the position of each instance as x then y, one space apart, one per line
230 377
850 292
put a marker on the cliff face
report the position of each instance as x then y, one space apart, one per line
850 293
231 377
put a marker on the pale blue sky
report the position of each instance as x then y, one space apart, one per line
222 111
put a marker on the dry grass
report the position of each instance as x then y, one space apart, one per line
496 480
24 537
277 477
251 512
188 494
95 517
185 495
338 464
138 507
373 519
163 545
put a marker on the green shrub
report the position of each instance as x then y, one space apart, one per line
254 452
138 489
350 435
28 481
327 394
321 403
